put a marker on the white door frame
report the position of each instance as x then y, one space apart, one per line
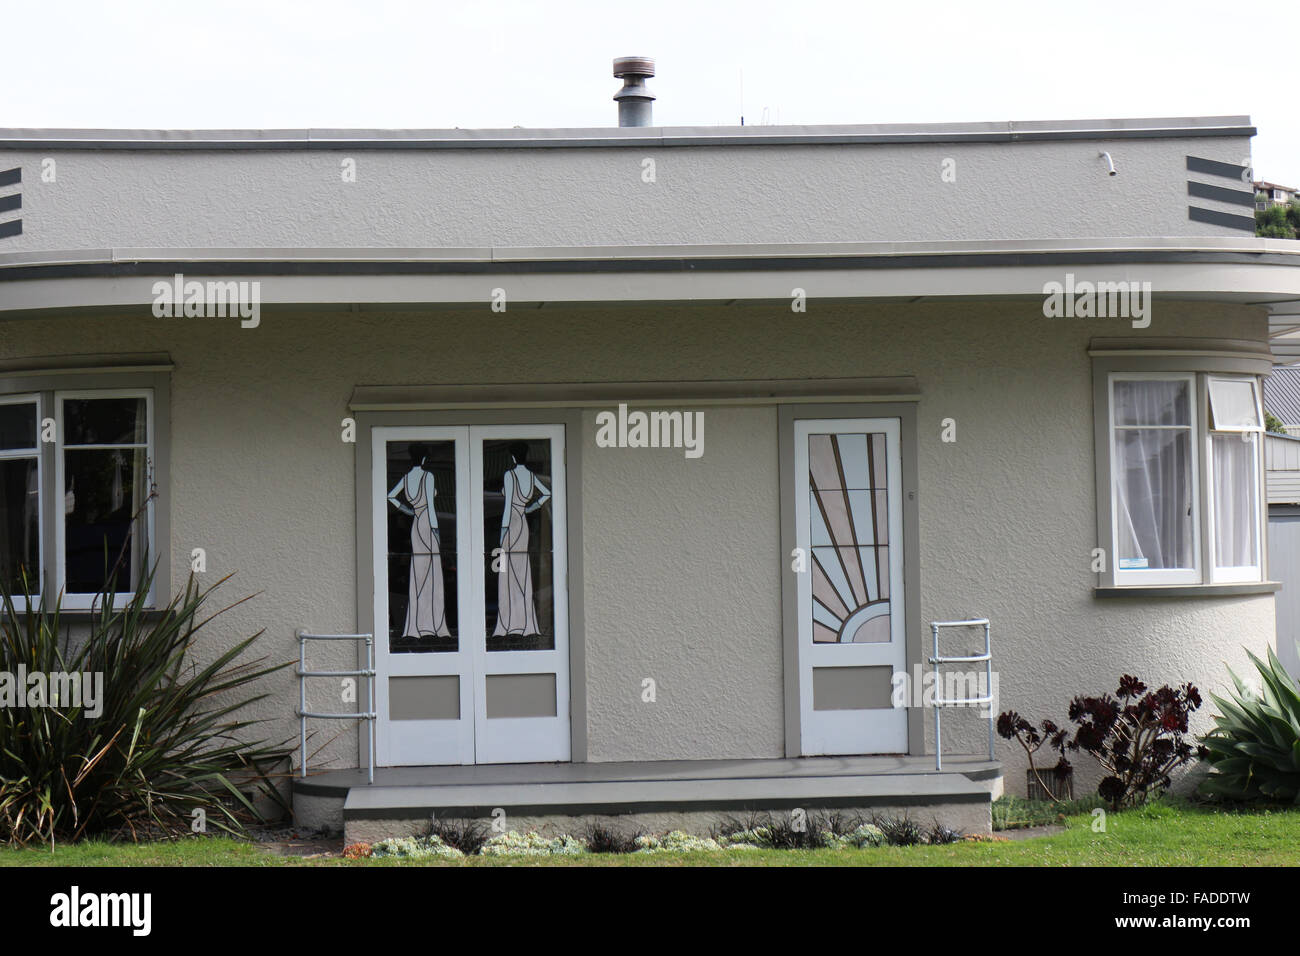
472 738
528 739
881 730
406 742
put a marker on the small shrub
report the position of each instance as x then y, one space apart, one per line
468 836
415 848
786 832
167 739
356 851
532 843
940 835
677 841
900 831
603 839
1254 748
863 835
1138 736
1011 726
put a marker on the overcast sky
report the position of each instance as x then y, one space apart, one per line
500 63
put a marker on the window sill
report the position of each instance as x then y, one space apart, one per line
1188 590
82 615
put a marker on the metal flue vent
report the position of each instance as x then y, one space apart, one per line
635 102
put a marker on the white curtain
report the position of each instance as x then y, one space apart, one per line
1153 474
1236 493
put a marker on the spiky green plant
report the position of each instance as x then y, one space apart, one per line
166 742
1254 748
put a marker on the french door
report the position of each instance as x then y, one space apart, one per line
852 640
471 609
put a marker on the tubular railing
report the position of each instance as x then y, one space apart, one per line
940 701
368 714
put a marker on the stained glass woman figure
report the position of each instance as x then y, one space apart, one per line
414 495
523 494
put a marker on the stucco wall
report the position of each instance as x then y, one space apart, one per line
417 198
682 557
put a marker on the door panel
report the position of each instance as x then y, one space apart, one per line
849 526
519 535
471 615
424 691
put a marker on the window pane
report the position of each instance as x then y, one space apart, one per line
104 421
18 426
1153 497
517 533
104 491
1157 402
422 557
848 515
1233 404
19 525
1236 502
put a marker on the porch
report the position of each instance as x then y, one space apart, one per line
650 795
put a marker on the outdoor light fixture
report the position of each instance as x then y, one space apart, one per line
1110 163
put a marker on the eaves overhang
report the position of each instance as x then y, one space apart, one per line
1262 272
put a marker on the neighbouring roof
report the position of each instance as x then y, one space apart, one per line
1282 393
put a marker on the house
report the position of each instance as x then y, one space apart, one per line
1282 396
648 455
1271 194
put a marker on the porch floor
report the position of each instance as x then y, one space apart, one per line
649 787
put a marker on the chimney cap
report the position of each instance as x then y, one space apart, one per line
634 66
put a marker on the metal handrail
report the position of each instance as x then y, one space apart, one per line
940 702
367 672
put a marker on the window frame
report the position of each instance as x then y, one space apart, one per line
84 600
100 375
19 398
1245 573
1156 576
1148 358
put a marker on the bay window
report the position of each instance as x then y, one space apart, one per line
1182 467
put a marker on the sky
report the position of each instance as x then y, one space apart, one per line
285 64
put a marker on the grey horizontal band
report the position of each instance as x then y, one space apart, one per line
1212 167
683 264
605 808
10 176
1241 197
1244 223
12 228
1175 128
10 203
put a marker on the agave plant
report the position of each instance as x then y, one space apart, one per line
162 740
1254 748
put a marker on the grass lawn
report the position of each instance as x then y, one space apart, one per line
1160 835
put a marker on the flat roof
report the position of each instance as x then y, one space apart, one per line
995 132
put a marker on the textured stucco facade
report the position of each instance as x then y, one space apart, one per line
668 260
453 198
682 558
